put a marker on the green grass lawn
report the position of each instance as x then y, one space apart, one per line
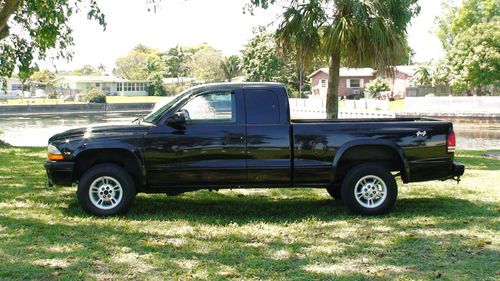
437 230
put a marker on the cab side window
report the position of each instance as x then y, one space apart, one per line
211 107
262 107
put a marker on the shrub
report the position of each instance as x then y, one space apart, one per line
156 87
174 89
94 95
376 86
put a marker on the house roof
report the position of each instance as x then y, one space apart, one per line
406 69
173 80
348 72
94 79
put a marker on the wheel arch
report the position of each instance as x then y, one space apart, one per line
370 150
128 158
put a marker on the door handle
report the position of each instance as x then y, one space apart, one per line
234 137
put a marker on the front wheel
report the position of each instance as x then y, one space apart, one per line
105 190
369 189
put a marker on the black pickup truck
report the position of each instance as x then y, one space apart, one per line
240 136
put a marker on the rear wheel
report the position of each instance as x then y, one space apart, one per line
105 190
369 189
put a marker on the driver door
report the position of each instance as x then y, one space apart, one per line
209 149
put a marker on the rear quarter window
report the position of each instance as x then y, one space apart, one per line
262 107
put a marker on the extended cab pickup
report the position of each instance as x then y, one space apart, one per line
240 135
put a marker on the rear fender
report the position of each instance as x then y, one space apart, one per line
405 173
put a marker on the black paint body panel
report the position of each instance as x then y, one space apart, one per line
238 154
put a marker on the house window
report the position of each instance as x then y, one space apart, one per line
119 87
354 83
323 83
16 87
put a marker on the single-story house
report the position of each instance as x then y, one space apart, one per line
400 81
111 85
13 84
353 80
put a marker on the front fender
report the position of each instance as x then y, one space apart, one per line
130 148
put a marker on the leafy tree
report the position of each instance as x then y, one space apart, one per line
261 61
231 66
358 33
456 20
86 70
422 76
176 60
29 29
473 60
142 63
205 63
156 87
43 76
376 86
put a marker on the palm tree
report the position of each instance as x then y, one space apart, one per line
231 67
101 68
423 75
349 32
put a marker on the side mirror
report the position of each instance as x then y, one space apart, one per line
176 120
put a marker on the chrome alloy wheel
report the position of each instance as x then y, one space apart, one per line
105 193
370 191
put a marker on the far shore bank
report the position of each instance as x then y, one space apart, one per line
99 108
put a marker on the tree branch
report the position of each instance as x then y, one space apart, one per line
9 7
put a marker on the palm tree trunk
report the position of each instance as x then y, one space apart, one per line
332 94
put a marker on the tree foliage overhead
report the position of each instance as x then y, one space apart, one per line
356 32
456 20
32 30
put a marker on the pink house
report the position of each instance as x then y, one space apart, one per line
353 80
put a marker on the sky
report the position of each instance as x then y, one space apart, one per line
220 23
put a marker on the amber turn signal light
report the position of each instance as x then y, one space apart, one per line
53 153
55 157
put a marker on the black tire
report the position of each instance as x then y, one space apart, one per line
373 173
112 174
334 191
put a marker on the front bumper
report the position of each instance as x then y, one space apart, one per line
59 172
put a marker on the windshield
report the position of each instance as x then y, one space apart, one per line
159 109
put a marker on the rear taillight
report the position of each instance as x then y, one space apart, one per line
451 142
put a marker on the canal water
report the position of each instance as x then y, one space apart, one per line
35 130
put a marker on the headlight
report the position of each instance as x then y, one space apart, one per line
53 153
